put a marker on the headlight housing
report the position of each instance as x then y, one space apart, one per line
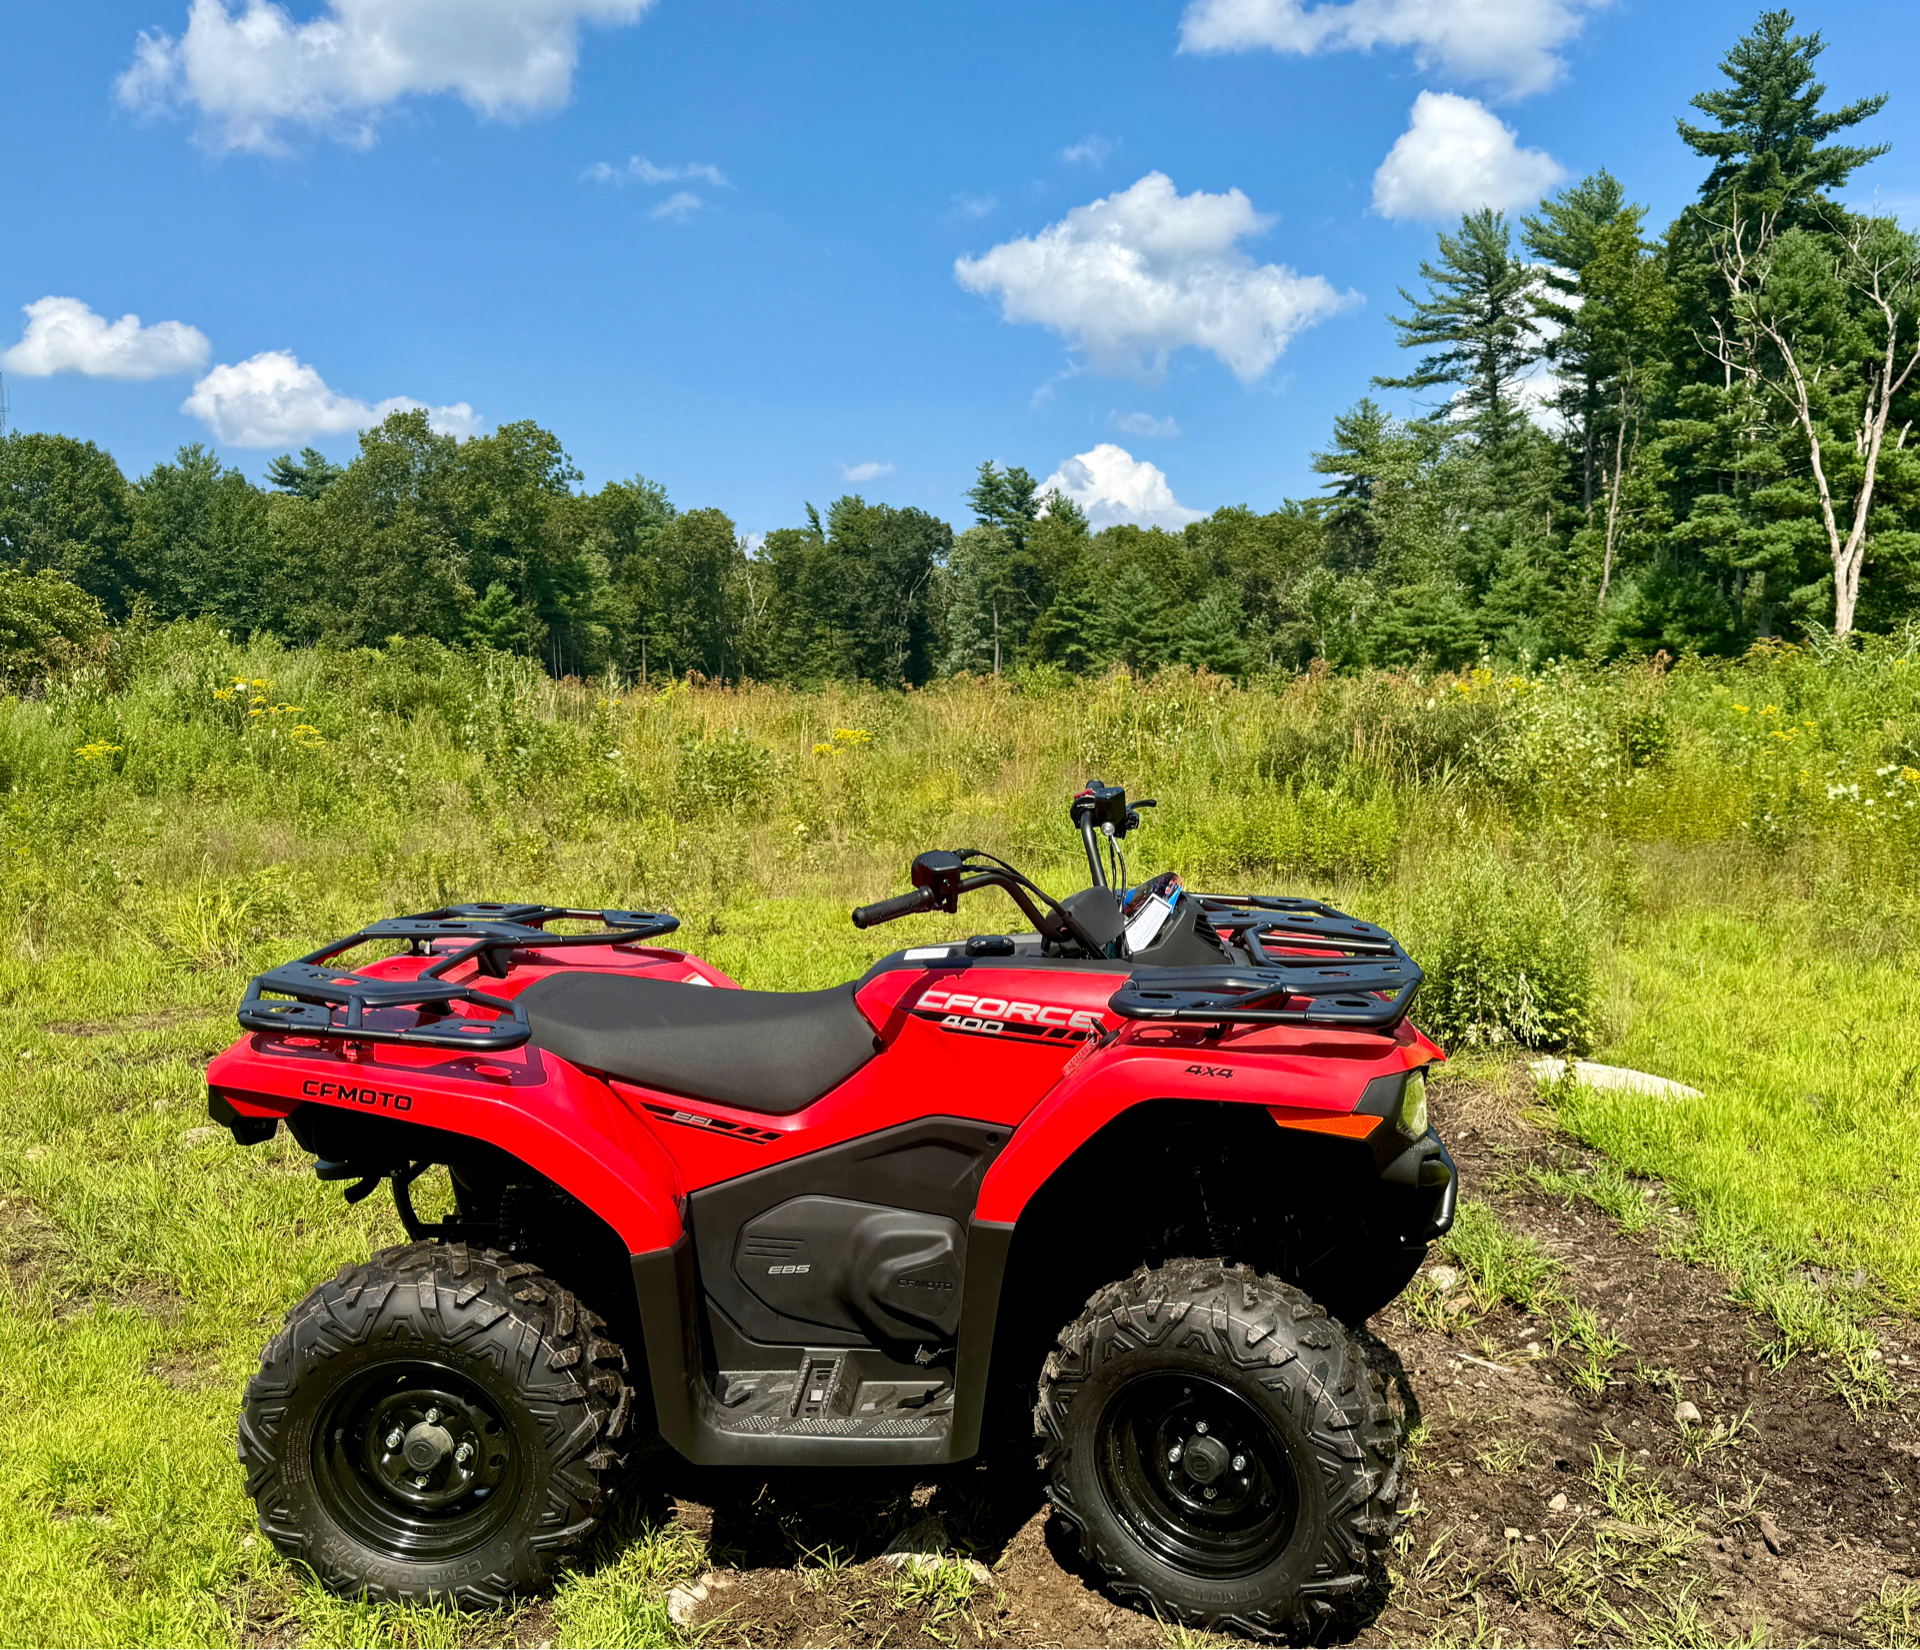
1411 1117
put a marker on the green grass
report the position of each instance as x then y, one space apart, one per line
1623 861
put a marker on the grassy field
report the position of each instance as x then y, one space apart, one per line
1705 873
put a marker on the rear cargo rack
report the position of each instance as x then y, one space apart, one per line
1308 965
312 999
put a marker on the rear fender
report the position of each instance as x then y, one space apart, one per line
535 1108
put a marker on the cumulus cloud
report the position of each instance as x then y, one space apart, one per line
1091 150
64 335
1512 45
254 73
1144 423
1131 278
641 170
1455 157
274 400
682 203
872 470
1113 486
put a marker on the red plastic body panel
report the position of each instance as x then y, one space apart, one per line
1298 1074
1034 1049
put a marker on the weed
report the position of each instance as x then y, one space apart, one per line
1893 1618
1699 1440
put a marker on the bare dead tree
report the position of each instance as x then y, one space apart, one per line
1755 342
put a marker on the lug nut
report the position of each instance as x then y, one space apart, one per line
432 1416
1200 1426
1239 1463
1174 1453
463 1454
420 1483
396 1438
1211 1492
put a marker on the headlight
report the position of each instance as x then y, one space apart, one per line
1411 1119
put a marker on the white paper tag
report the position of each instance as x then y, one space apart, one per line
928 953
1147 923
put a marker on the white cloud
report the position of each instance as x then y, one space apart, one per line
872 470
64 335
974 206
682 203
1455 157
274 400
1111 485
1091 150
1133 277
257 72
640 169
1144 423
1512 45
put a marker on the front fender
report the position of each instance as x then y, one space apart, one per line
1314 1087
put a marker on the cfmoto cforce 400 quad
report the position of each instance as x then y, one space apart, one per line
1154 1152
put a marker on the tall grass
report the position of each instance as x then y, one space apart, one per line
1706 871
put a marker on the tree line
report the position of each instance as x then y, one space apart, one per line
1685 441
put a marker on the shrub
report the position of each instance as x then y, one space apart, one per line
1509 956
46 623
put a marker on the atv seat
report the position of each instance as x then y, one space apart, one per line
765 1051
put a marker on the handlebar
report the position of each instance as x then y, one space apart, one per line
901 905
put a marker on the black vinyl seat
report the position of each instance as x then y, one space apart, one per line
766 1051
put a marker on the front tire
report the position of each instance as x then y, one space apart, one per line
1221 1449
438 1425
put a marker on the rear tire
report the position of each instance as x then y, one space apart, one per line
1220 1448
438 1425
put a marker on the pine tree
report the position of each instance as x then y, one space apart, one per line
1477 322
1573 232
1770 149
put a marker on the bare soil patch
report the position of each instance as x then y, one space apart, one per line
1541 1513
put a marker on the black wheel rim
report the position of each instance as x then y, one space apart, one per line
415 1460
1165 1440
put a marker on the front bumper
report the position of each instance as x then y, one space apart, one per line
1426 1169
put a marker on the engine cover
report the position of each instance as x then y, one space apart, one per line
858 1266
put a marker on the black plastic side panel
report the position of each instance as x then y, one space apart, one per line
932 1166
988 1242
666 1291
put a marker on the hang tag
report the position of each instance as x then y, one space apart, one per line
1147 924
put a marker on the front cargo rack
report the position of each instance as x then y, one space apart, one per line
1308 964
309 998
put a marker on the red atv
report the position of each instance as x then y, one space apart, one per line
792 1229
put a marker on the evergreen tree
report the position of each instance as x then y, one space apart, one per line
1006 499
1477 323
309 476
1769 143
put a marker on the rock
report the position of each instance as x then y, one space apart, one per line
1558 1503
982 1576
683 1601
918 1545
1512 1533
204 1135
1596 1076
1444 1278
1770 1534
1687 1414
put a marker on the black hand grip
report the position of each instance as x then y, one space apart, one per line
901 905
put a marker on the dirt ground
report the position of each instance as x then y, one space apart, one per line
1541 1514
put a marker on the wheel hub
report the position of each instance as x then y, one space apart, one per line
1205 1459
427 1447
431 1449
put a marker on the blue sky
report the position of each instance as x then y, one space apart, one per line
344 202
